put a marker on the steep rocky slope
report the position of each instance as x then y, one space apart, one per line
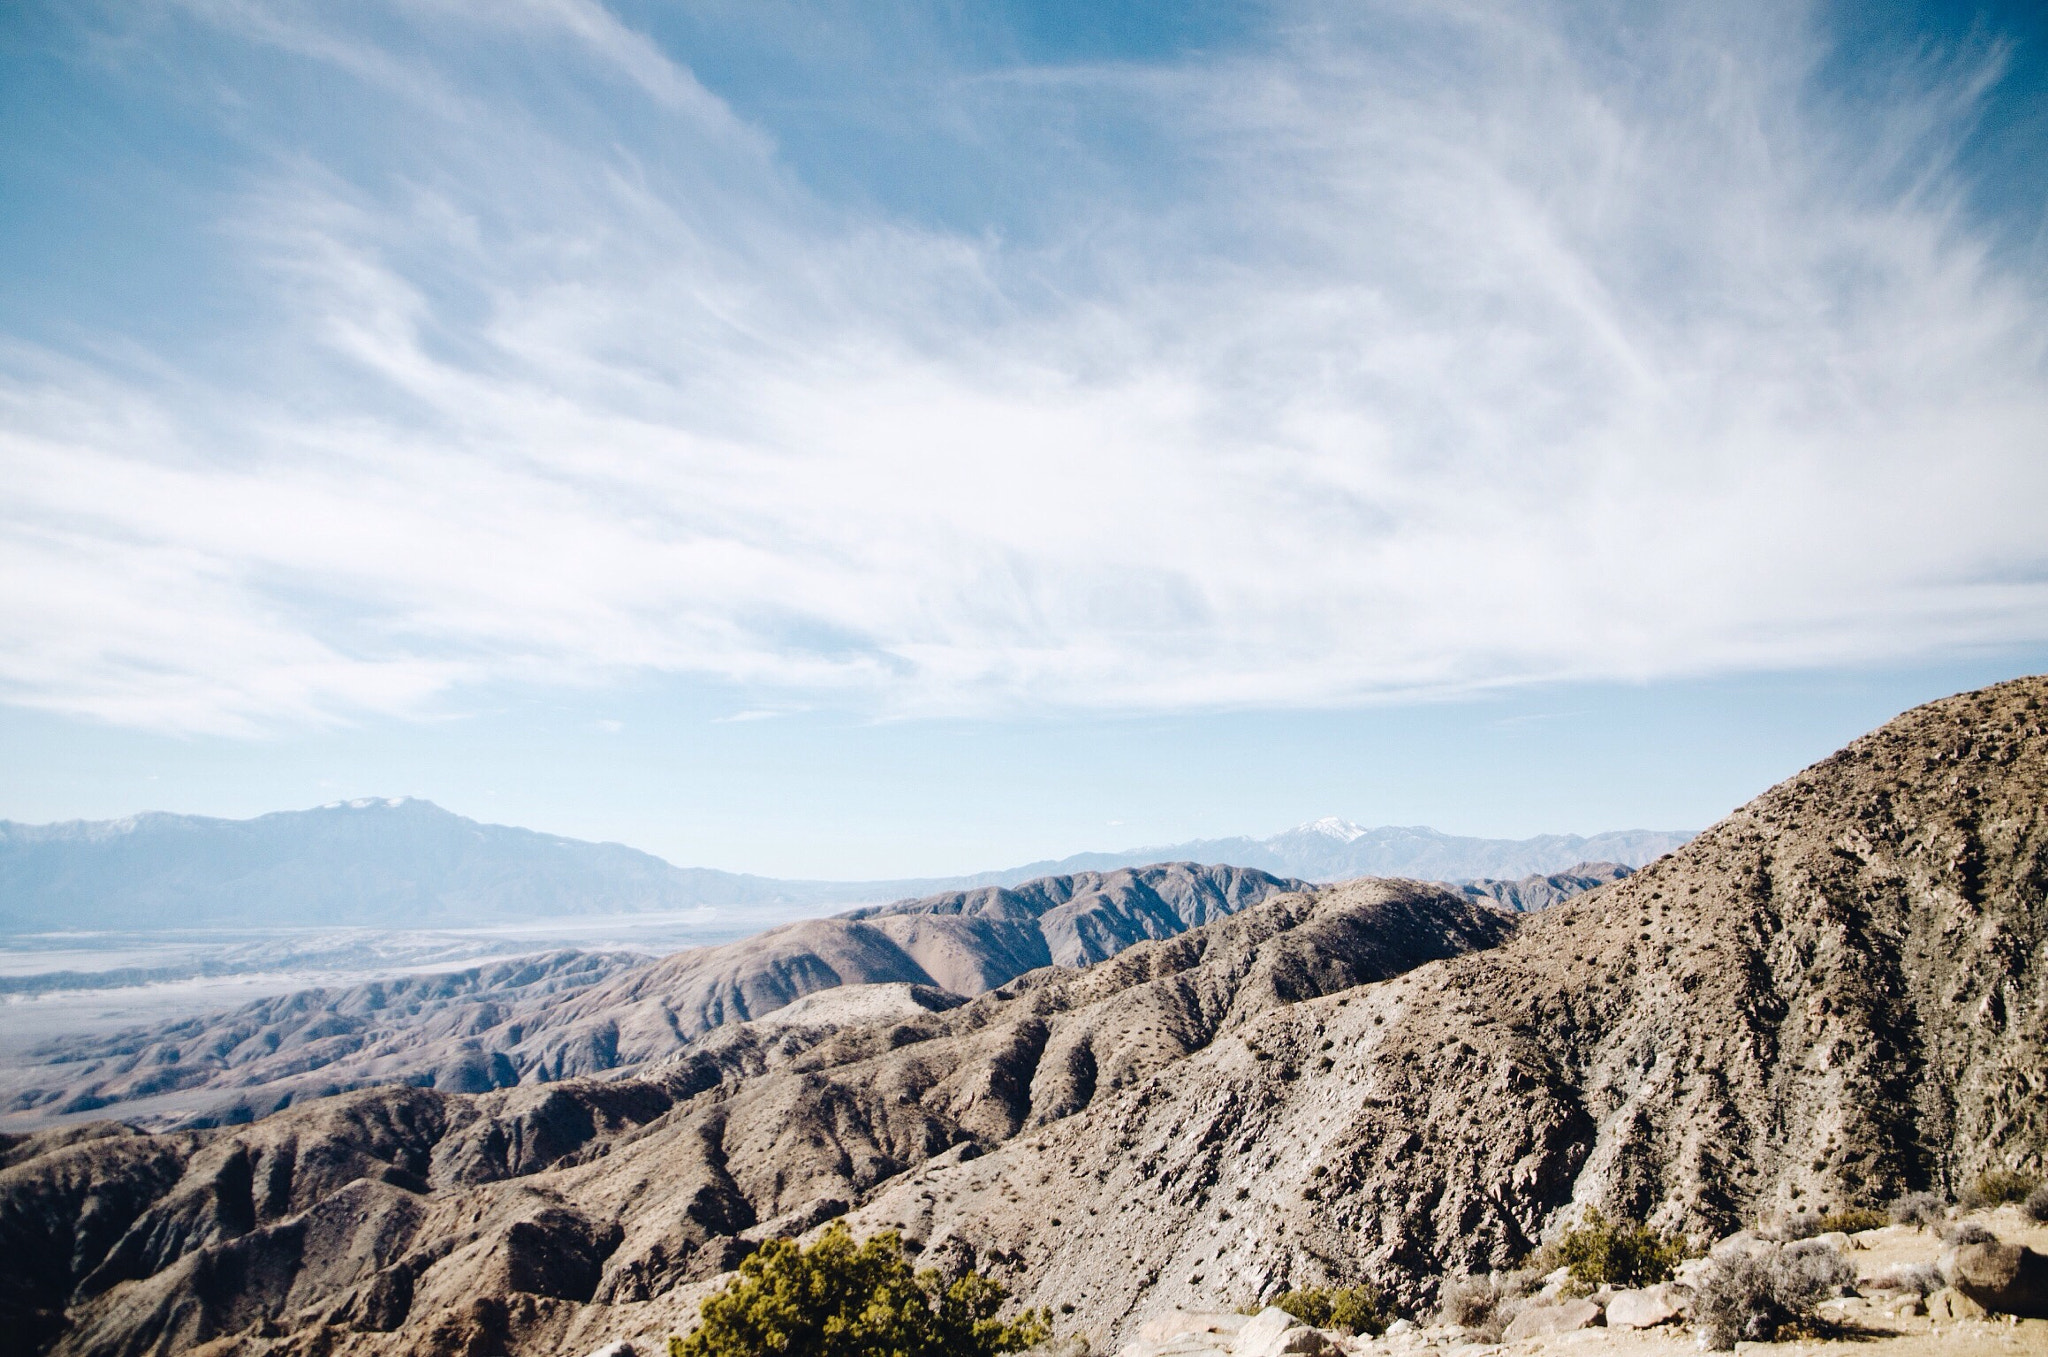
539 1019
1835 994
376 1220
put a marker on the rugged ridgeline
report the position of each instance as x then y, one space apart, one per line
1331 849
1535 892
539 1219
1831 996
409 864
539 1019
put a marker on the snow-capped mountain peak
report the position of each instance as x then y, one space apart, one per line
1332 827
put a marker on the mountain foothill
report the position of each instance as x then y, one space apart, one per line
1131 1091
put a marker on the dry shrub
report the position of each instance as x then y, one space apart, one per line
1919 1208
1749 1298
1966 1232
1921 1279
2037 1204
1485 1302
1799 1225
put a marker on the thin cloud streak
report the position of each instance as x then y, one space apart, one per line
1468 351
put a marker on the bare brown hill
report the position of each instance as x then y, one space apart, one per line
1831 996
540 1019
374 1221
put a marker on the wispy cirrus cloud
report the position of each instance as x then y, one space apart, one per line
1427 348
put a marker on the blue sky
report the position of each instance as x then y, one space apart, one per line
887 439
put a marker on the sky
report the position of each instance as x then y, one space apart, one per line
894 439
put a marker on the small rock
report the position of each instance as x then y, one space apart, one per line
1648 1307
622 1348
1563 1317
1400 1326
1907 1308
2010 1279
1949 1303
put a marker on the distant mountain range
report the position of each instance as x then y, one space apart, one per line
410 864
1331 849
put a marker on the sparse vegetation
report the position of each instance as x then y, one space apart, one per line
1799 1225
1966 1232
2037 1204
1751 1298
1852 1220
1485 1302
1996 1187
1922 1209
1619 1253
842 1299
1920 1279
1355 1309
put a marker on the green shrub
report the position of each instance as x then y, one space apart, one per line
1617 1254
1356 1309
1852 1219
1996 1187
841 1299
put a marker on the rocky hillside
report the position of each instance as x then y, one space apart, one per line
540 1019
1834 995
377 1220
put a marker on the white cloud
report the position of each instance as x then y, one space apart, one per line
1462 351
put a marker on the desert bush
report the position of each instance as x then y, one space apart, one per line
2037 1203
1799 1225
1485 1302
1356 1309
1922 1279
1966 1232
1620 1253
1996 1187
1919 1208
1750 1297
842 1299
1851 1220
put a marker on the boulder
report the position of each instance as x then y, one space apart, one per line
1563 1317
1741 1244
1837 1239
622 1348
1648 1307
2008 1279
1949 1303
1272 1332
